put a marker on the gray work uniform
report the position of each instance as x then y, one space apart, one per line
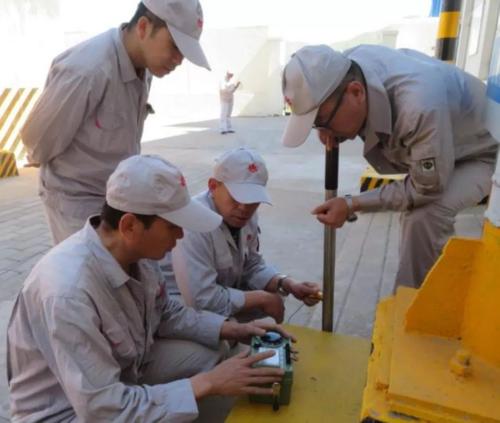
425 118
88 118
88 342
218 270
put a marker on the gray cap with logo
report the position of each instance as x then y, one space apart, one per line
311 75
153 186
184 19
244 173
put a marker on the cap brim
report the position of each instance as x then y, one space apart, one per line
195 217
248 193
298 128
189 47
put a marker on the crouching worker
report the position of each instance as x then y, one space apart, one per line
223 270
93 337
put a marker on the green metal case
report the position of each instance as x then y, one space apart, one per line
282 359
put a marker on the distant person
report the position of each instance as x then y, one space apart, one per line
93 336
91 113
415 114
226 90
225 270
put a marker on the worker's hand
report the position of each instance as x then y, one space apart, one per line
272 305
32 164
307 292
327 138
268 302
236 376
333 212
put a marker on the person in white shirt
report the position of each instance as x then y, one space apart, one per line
223 270
91 113
93 335
226 92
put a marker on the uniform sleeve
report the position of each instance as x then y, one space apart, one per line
256 272
181 322
428 141
198 253
68 333
57 115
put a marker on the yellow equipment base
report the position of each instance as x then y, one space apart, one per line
436 350
328 382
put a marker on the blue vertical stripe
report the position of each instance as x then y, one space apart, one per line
493 89
435 8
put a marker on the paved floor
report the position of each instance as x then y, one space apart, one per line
367 251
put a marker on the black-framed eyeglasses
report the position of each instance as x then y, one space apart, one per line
326 125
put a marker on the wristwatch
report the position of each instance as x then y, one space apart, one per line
351 217
281 290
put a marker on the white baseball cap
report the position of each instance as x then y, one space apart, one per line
244 174
184 19
311 75
151 185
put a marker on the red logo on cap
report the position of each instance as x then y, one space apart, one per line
199 22
252 168
288 101
183 181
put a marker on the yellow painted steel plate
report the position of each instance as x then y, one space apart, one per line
421 381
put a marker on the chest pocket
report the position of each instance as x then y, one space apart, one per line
122 345
108 119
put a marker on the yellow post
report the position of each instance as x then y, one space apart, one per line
447 36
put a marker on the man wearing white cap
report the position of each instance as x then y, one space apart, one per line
226 92
91 113
93 335
223 270
416 115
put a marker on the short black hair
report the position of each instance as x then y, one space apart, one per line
353 74
111 217
141 11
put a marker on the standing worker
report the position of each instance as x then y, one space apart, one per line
226 90
91 113
416 115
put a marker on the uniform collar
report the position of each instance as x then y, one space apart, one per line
127 69
109 266
379 120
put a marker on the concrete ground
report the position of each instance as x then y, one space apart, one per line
367 251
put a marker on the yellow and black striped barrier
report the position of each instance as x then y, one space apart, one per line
15 106
370 179
449 25
8 165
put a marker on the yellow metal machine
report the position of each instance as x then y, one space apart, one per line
436 350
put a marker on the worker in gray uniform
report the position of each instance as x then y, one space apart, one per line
226 93
223 270
93 335
415 114
91 113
